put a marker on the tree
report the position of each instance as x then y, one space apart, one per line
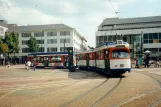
11 39
8 40
33 45
15 43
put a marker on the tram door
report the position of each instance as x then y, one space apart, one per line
46 61
107 61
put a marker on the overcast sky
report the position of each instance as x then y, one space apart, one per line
84 15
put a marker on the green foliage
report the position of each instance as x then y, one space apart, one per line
11 39
33 45
3 47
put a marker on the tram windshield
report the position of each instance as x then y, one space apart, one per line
120 54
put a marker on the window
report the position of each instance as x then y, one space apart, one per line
150 36
146 41
125 38
40 59
159 49
62 49
25 34
54 49
41 49
25 50
24 42
146 36
154 49
105 38
155 35
40 41
120 54
159 35
150 41
146 49
64 33
101 38
51 33
55 59
65 40
51 41
39 34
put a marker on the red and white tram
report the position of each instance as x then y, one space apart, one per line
111 58
51 59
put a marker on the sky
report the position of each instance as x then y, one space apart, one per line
83 15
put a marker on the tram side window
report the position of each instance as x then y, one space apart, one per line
56 59
99 55
120 54
39 59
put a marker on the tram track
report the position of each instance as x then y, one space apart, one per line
107 94
83 94
153 76
104 83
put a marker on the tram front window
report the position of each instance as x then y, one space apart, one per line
120 54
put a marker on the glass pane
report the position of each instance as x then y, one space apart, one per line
145 41
120 54
150 41
159 35
150 36
146 36
155 35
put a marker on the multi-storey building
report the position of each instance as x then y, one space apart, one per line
51 38
133 30
3 28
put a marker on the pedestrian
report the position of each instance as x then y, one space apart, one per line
28 65
34 66
137 64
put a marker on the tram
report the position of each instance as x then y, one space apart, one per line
49 59
111 58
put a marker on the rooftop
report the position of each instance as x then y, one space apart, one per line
111 21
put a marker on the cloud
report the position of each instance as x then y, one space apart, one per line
85 15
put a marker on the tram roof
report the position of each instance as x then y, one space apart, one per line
49 53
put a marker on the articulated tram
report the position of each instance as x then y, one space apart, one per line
50 59
111 58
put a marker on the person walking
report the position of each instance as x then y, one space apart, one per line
34 64
28 65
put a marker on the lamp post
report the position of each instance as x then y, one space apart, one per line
141 48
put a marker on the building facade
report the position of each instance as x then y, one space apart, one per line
51 38
3 28
142 33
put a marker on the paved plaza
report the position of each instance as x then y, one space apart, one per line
60 88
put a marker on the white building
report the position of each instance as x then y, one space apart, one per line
133 30
50 37
3 28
